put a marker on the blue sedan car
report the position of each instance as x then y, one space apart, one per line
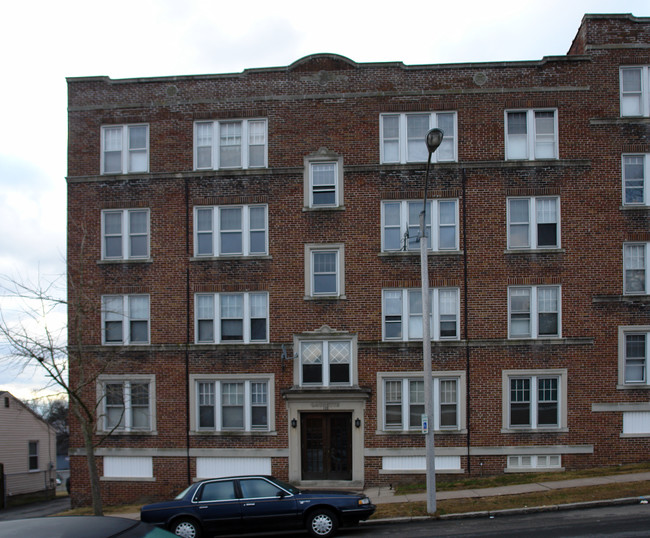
253 504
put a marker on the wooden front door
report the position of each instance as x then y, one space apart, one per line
326 445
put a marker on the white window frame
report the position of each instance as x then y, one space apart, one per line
404 378
247 317
126 420
32 455
533 222
405 314
214 127
125 151
322 157
533 462
407 229
246 230
625 380
325 339
339 250
642 94
449 143
531 134
128 467
534 312
636 424
107 316
642 184
534 376
126 234
217 382
638 263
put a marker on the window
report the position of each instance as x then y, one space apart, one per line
125 149
403 137
230 144
531 134
325 362
127 404
323 180
634 91
233 404
403 402
400 221
635 265
231 230
324 271
533 462
32 447
231 317
533 223
132 467
635 180
636 423
402 313
634 348
125 319
125 234
534 311
534 399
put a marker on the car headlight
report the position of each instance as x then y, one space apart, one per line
365 500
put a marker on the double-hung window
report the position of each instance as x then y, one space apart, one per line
535 401
402 314
125 149
400 222
635 268
534 311
533 223
233 404
231 317
403 137
230 144
324 275
404 403
326 362
634 84
634 353
125 319
531 134
231 230
125 234
126 404
636 185
323 184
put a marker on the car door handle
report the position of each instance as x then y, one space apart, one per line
202 507
249 504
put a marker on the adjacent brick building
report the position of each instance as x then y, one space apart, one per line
246 246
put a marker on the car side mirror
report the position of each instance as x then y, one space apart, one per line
281 494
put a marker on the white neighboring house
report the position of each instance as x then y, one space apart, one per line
27 450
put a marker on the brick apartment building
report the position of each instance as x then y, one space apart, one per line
248 246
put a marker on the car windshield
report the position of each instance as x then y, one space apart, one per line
183 493
291 489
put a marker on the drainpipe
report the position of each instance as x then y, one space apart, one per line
466 324
187 333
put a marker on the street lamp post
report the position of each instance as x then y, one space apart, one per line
433 140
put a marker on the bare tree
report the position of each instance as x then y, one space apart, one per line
34 335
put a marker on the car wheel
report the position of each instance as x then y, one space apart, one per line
186 528
322 523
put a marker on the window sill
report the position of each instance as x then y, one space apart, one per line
633 386
402 433
634 207
106 344
124 260
236 343
234 433
633 435
127 479
631 299
388 253
325 297
230 257
118 433
317 209
553 250
534 430
533 469
535 339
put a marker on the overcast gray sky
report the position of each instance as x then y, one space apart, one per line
43 41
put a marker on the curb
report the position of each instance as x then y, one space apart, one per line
515 511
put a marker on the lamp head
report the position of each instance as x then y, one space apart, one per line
434 139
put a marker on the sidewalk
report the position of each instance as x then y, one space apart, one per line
382 495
